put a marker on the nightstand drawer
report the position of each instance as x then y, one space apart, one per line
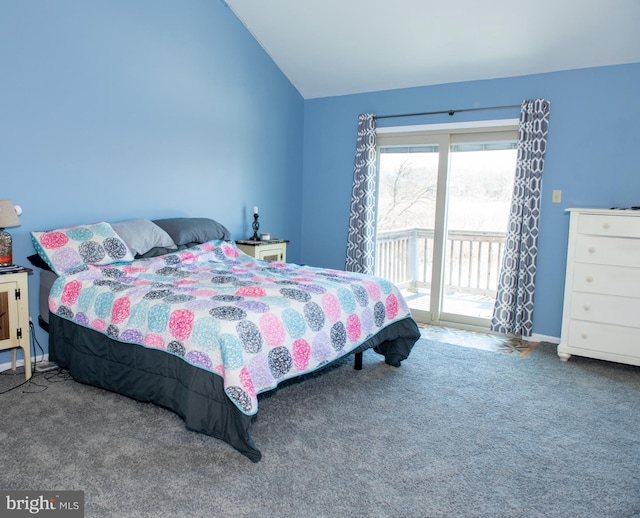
273 250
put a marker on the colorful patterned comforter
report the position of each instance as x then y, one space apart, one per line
253 323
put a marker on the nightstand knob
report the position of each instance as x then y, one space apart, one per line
589 279
584 335
586 307
591 250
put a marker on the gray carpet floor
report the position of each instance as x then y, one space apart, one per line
454 432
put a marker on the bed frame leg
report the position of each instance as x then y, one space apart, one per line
357 361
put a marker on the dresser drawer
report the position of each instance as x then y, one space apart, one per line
606 309
607 280
607 250
606 338
619 224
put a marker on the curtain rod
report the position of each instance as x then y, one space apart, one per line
449 112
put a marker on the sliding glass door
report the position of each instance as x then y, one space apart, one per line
443 203
408 187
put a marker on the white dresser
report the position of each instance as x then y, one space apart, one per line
601 314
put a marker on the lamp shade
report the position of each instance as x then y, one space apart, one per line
8 214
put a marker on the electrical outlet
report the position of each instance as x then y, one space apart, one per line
556 196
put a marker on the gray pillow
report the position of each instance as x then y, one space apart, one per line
141 235
193 230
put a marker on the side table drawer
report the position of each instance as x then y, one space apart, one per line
273 252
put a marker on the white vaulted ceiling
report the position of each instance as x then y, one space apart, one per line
337 47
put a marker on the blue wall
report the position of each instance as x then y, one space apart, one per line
143 108
593 135
156 108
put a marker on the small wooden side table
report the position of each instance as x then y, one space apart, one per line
14 314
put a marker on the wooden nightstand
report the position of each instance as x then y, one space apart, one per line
14 315
271 250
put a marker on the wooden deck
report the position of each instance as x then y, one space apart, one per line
469 304
471 272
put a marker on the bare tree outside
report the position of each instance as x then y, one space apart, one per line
404 195
480 190
407 193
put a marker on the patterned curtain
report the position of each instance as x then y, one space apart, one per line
362 219
513 309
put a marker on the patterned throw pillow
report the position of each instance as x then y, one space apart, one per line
68 248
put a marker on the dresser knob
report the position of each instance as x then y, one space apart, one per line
591 250
583 335
605 225
586 307
589 279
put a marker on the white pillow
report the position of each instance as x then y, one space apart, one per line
141 235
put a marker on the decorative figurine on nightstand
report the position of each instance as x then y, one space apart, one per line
255 225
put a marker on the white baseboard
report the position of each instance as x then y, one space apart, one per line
542 338
20 362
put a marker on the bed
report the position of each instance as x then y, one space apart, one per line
172 312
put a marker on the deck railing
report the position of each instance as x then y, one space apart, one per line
472 259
